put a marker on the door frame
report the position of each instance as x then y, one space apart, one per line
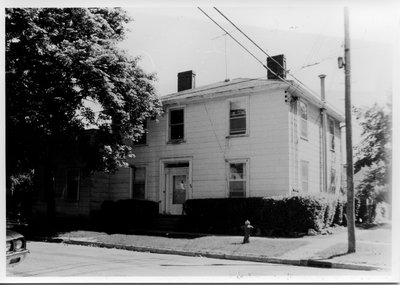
163 187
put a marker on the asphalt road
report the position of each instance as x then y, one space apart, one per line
53 259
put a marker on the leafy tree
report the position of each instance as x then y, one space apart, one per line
65 74
374 153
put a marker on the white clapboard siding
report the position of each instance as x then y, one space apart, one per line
206 142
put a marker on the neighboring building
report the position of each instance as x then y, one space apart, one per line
239 138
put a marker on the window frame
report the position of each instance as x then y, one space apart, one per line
332 174
169 139
246 162
76 199
141 143
331 135
303 122
245 100
303 181
132 180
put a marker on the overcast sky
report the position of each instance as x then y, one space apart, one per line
179 38
175 36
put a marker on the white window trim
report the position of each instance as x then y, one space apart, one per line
302 120
246 161
145 166
228 117
168 132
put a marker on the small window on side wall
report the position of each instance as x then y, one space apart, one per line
72 185
331 133
176 125
237 179
304 175
332 187
237 117
303 120
138 182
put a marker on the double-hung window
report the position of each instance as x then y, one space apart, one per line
237 117
332 187
304 175
303 120
237 179
138 175
331 128
176 125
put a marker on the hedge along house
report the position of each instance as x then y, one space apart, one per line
238 138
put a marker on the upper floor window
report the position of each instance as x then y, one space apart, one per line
143 138
237 179
331 128
72 185
303 120
138 175
237 117
176 124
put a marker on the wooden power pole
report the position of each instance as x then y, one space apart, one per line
349 141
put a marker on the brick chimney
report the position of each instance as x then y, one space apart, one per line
186 80
277 64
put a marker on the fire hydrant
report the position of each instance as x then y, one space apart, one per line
247 229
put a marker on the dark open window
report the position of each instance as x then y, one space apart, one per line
237 117
138 183
176 124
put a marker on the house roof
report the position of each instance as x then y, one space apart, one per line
240 86
220 87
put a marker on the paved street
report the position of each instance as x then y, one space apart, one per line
52 259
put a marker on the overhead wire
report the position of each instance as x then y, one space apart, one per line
266 67
263 51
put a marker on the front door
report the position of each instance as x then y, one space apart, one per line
177 187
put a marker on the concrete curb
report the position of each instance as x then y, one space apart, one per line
297 262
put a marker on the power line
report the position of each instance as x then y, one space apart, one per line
240 44
286 71
266 67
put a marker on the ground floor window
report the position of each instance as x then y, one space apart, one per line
138 177
237 178
304 175
332 187
72 185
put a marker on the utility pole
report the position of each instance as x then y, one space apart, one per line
349 142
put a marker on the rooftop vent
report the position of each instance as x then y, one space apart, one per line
277 67
186 80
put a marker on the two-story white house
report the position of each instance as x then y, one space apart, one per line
237 138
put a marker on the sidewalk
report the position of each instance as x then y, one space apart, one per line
373 247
